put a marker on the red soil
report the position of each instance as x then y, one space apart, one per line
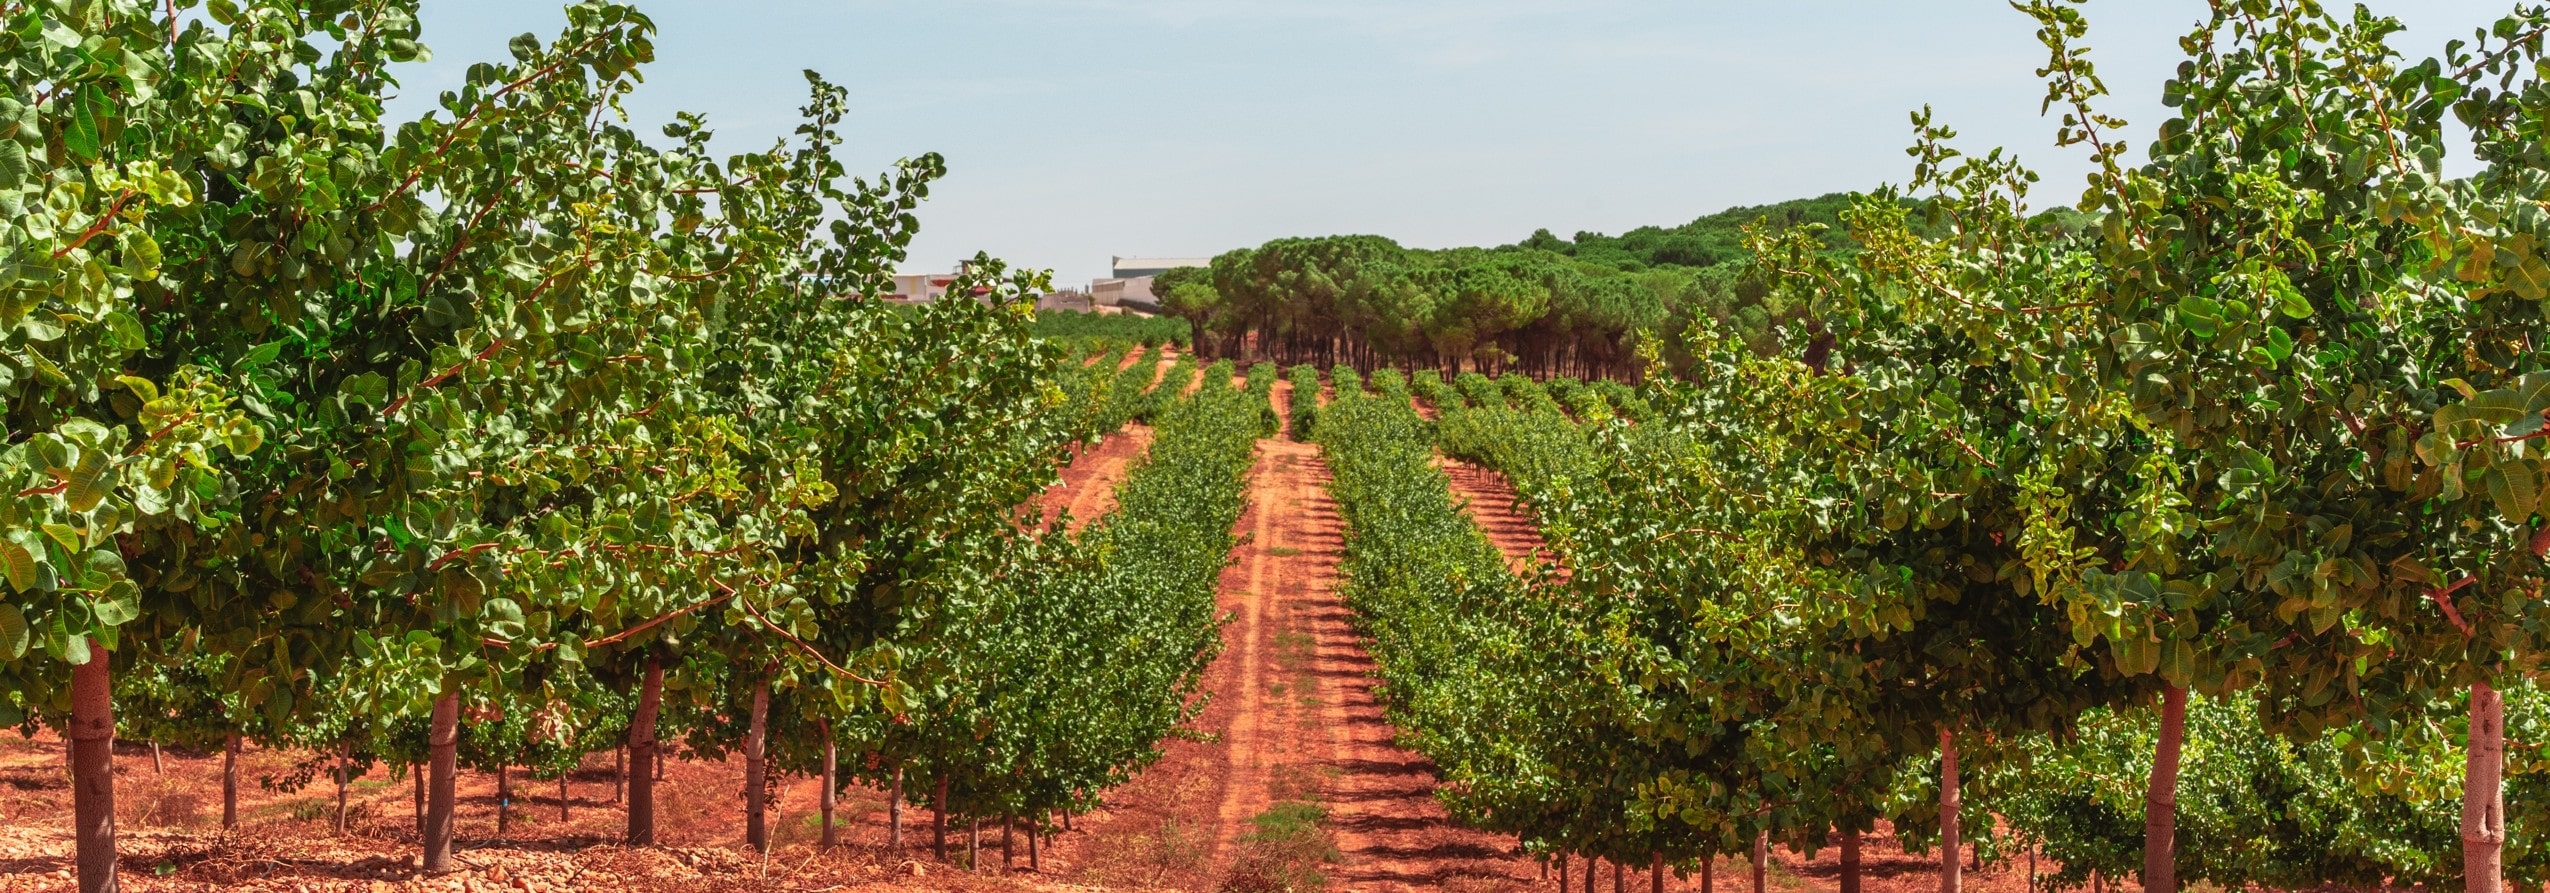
1292 716
1492 504
1088 485
168 827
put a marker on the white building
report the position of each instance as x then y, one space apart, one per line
921 288
1130 288
1132 292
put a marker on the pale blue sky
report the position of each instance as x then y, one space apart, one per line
1079 129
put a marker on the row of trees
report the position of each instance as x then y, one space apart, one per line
334 432
1546 307
2264 441
1367 302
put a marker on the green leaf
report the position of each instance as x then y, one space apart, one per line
368 389
121 604
60 36
244 437
2200 315
19 563
2279 344
13 164
2512 487
2531 279
142 388
13 633
141 254
2435 448
84 133
2294 304
126 331
259 356
89 481
64 534
504 618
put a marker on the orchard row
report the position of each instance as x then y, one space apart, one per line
2205 542
505 435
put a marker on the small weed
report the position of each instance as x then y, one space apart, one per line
158 802
1174 848
1285 853
320 810
1297 781
1282 551
1293 649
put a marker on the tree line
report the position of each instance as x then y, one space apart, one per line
1545 306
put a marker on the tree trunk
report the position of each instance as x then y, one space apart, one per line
974 845
1035 857
416 776
230 783
2483 799
831 757
343 759
619 772
504 798
756 769
1009 841
1951 867
1709 874
1619 876
1593 868
938 820
1562 873
156 767
2160 802
93 771
894 815
643 755
562 799
442 749
1656 874
1850 861
1761 862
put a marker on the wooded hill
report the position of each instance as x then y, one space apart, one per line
1543 306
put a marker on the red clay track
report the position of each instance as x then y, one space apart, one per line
1088 485
1492 504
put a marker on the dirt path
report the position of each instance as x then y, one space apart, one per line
1293 719
1491 502
1088 485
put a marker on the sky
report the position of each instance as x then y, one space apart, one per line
1078 130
